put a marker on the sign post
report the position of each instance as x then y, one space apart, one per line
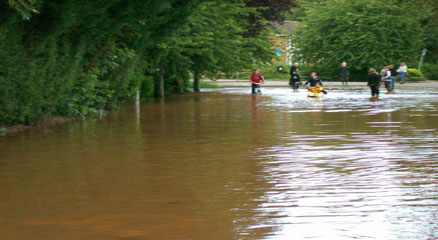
278 51
421 59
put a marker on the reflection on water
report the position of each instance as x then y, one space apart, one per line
228 165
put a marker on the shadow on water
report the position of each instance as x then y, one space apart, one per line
228 165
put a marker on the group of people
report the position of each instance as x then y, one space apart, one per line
295 81
386 76
315 84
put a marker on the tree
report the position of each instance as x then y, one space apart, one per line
77 57
269 10
25 7
211 41
365 33
426 12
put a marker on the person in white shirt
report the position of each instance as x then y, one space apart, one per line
402 70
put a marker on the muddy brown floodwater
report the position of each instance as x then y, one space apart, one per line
228 165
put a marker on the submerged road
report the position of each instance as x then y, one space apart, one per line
228 165
423 85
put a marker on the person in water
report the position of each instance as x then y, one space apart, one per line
374 82
313 79
294 81
317 89
255 79
294 69
345 74
386 78
393 76
402 70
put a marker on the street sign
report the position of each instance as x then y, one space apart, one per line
424 52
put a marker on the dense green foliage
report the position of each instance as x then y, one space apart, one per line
78 57
426 12
211 41
430 71
75 58
364 33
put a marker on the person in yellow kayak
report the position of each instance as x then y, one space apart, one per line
317 89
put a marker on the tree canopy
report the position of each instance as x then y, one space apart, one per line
80 57
365 33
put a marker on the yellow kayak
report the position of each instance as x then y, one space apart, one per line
316 95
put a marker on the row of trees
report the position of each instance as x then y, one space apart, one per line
365 33
80 57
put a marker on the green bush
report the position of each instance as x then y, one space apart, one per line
430 71
414 75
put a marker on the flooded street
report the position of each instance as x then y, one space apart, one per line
225 164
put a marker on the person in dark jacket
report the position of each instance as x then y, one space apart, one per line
294 81
294 69
313 79
374 82
345 74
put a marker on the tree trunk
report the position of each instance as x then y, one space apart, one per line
179 84
178 80
159 84
196 83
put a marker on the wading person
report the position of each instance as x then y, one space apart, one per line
345 74
312 80
374 82
393 75
294 80
255 79
402 70
294 69
386 78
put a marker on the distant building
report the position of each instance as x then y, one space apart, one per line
282 42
